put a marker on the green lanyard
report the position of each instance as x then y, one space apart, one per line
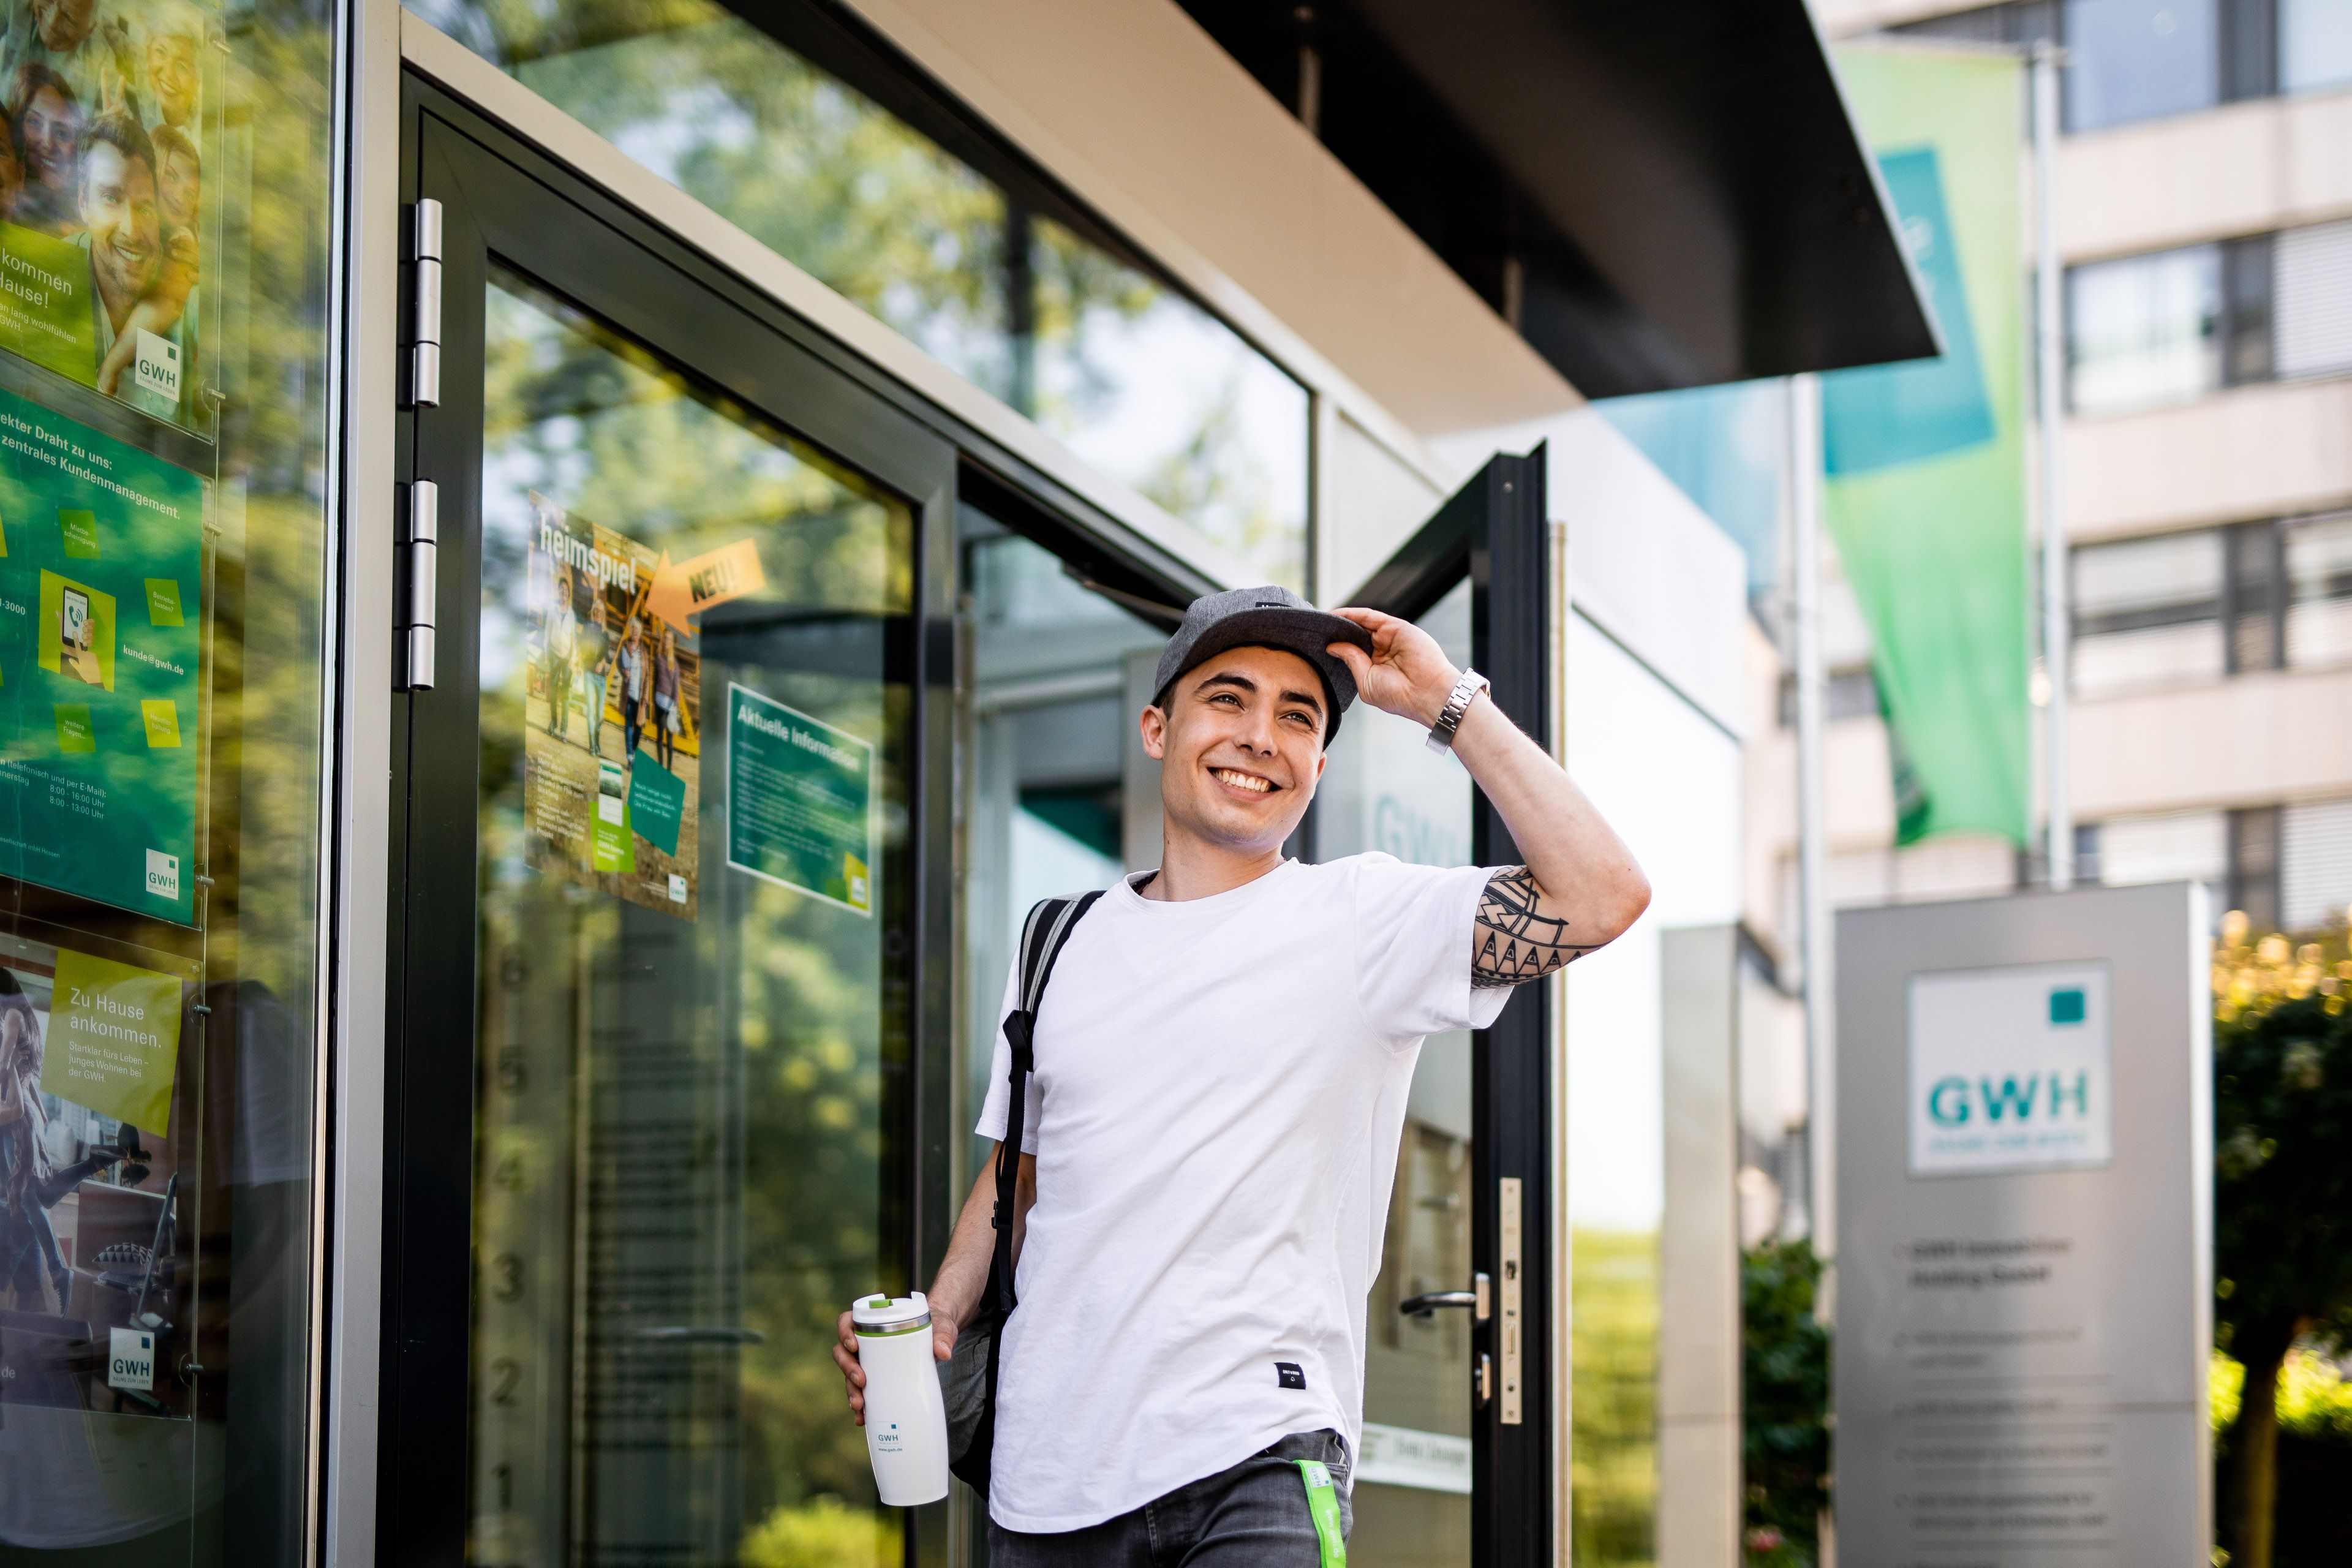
1323 1504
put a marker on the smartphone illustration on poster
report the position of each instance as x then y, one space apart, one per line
76 634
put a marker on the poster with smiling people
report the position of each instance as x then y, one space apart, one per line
104 106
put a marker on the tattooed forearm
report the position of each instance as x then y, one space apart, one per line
1514 941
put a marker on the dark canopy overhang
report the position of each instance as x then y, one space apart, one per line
1658 195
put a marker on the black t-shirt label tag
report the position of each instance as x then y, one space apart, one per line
1289 1374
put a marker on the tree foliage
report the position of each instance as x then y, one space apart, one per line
2281 1188
2282 1123
1784 1406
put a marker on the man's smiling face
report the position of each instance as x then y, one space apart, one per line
1240 744
118 204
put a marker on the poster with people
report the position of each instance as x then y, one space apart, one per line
611 747
91 1255
102 214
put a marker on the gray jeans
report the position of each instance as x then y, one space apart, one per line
1252 1516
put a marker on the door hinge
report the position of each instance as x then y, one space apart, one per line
416 579
425 306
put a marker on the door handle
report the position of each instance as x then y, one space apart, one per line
1426 1305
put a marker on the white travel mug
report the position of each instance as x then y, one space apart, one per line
906 1417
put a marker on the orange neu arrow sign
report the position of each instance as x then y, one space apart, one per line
681 588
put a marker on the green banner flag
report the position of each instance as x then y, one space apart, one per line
1924 462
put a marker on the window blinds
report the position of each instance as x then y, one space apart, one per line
2312 310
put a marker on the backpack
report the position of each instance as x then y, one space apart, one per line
968 1378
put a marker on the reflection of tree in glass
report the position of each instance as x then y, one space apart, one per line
1215 481
268 349
1151 388
806 165
853 196
793 1017
587 418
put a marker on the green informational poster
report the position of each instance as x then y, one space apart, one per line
656 802
114 1039
101 567
45 308
800 801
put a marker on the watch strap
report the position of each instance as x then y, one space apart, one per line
1449 718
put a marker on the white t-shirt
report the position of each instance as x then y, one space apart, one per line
1219 1093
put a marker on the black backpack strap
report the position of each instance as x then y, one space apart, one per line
1042 936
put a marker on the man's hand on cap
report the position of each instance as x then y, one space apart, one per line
1406 673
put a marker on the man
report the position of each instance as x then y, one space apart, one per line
123 232
1221 1065
562 654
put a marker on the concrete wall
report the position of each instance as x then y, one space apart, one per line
2266 164
2250 452
1698 1255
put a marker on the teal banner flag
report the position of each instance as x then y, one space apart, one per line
1924 462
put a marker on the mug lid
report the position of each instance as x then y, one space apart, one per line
879 1314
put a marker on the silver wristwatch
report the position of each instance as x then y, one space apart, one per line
1449 718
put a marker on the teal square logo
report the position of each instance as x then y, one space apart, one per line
2067 1007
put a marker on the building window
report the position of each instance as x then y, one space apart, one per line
2144 331
2147 613
2315 44
2254 596
2289 868
2254 880
2022 22
1845 694
2194 606
832 153
2315 864
2129 60
2312 273
2318 568
2171 326
2174 325
2139 60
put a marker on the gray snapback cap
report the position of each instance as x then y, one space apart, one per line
1266 618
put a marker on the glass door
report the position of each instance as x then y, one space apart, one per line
665 845
1456 1465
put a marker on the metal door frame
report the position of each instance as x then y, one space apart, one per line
500 198
1495 531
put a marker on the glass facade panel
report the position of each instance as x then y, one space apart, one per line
1053 777
162 392
1144 383
1147 386
2137 59
2144 331
690 1121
